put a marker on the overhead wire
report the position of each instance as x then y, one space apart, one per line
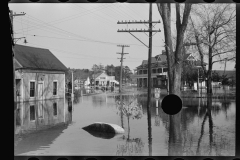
66 32
63 51
110 43
61 19
51 30
71 33
68 52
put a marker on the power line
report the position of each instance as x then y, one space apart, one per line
68 51
95 41
61 19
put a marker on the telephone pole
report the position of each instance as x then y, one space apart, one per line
122 54
149 30
13 54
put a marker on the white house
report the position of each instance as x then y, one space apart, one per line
102 79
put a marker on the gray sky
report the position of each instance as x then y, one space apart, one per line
81 35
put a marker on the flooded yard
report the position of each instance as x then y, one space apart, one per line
55 128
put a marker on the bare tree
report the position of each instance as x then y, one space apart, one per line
212 32
174 59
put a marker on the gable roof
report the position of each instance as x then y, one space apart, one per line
160 57
154 65
101 74
37 58
96 75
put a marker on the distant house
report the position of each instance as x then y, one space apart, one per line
159 70
39 74
102 79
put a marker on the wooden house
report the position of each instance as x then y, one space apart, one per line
39 74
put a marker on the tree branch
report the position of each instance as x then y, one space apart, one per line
178 19
222 53
228 59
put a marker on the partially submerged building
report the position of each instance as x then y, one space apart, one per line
39 74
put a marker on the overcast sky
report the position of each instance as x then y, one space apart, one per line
81 35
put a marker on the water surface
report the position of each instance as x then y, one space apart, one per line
199 129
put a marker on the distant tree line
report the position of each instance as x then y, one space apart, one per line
190 75
111 70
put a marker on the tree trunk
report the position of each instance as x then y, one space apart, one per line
209 78
174 59
175 147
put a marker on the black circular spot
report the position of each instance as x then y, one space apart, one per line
171 104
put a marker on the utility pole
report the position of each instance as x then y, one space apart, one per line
122 54
149 30
13 60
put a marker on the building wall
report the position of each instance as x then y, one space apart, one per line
46 78
37 115
104 79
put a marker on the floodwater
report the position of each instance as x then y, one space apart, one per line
54 127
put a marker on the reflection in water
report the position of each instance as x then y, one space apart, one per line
132 146
201 135
203 127
157 117
99 134
36 115
149 127
187 135
38 140
129 107
188 139
175 139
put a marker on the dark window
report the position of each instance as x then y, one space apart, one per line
54 108
32 89
153 70
140 72
18 119
159 70
32 113
144 71
54 88
165 69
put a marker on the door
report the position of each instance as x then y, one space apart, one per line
40 91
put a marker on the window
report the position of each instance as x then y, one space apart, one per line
32 113
140 72
165 69
153 70
144 71
32 89
159 70
54 108
18 118
54 88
